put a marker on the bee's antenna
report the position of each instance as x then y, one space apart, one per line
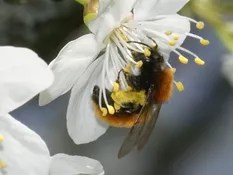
139 43
153 41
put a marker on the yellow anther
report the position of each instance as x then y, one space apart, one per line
129 88
104 111
147 52
111 109
116 86
168 32
179 86
127 68
172 42
176 37
174 70
199 61
200 25
1 138
139 64
117 106
204 42
2 164
183 60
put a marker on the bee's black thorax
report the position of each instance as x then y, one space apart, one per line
151 66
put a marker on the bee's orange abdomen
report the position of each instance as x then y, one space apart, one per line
124 121
119 121
164 84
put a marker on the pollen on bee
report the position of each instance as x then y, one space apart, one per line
147 52
116 86
183 59
200 25
129 88
117 106
1 138
2 164
199 61
139 64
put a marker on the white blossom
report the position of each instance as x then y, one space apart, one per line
22 152
97 58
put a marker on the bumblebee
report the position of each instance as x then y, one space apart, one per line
138 107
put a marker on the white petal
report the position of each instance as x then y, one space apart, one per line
22 76
63 164
110 18
23 151
70 63
168 24
103 4
82 125
147 9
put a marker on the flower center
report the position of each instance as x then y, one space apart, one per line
135 37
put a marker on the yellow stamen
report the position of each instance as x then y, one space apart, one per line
2 164
104 111
1 138
123 36
116 86
147 52
183 60
111 109
117 106
127 68
174 70
139 64
168 32
199 61
176 37
200 25
172 42
179 86
204 42
129 88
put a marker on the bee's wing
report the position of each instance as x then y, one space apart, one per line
148 128
133 137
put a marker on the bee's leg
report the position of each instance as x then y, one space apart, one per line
95 96
118 76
